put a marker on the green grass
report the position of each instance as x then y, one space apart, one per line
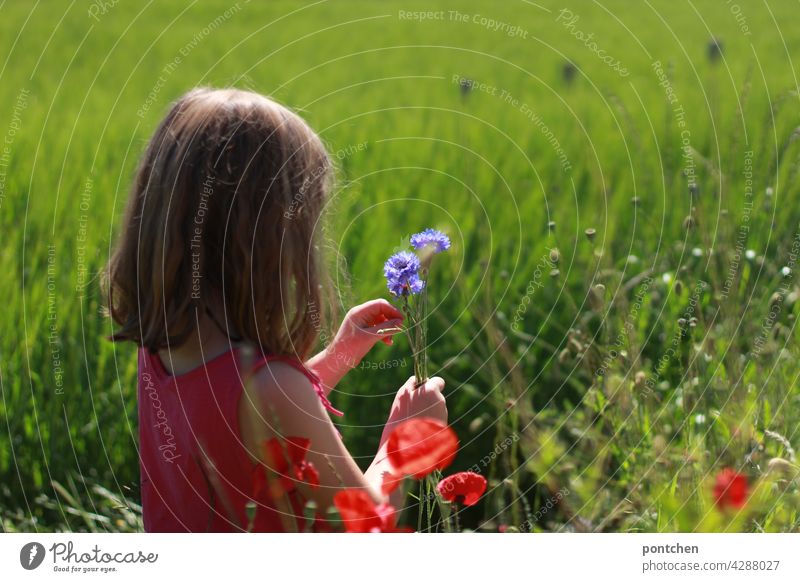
632 454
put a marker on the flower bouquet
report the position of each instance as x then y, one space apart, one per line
406 275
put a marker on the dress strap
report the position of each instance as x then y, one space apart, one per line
300 367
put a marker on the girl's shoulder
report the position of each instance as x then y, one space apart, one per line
277 376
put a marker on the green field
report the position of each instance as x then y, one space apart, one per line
599 381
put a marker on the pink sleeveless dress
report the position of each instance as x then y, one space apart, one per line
196 474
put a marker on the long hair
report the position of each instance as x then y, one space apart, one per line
221 220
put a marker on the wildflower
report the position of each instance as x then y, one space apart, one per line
430 238
786 271
714 49
568 71
288 461
403 264
697 252
750 254
420 446
466 86
730 489
361 515
402 274
463 488
390 482
411 286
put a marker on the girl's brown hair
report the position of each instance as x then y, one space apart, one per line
222 219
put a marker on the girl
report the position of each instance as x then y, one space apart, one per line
217 277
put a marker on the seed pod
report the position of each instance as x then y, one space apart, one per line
659 444
689 223
555 273
639 379
596 296
590 233
551 226
782 466
678 287
636 200
563 356
555 256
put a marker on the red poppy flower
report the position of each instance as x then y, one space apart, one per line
391 481
420 446
288 459
730 489
463 488
360 514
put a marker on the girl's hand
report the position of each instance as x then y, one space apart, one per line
363 327
425 401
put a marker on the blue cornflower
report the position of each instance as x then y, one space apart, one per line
402 274
399 286
402 264
432 238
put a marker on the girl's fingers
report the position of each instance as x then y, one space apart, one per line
379 307
386 328
436 383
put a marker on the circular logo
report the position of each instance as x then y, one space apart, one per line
31 555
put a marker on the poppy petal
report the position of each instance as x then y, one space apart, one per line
420 446
391 481
465 488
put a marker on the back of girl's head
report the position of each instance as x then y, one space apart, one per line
222 219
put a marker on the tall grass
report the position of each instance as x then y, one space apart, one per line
519 336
